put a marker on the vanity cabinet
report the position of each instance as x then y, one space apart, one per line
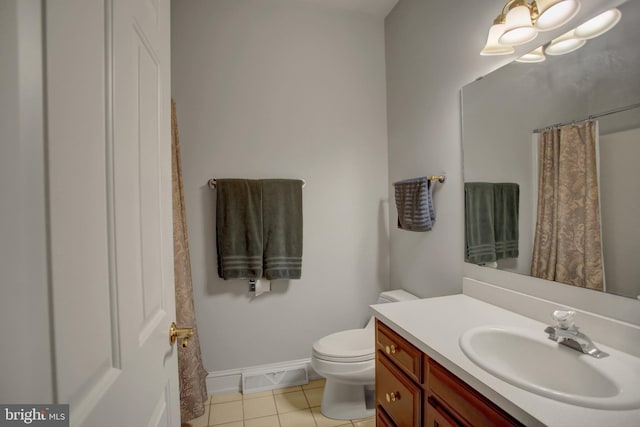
412 390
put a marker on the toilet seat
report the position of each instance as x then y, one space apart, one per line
354 345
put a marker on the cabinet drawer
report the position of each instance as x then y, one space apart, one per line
397 394
437 417
382 420
400 351
467 405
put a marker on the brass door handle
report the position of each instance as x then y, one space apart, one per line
183 333
390 349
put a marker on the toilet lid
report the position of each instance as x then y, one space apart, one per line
354 345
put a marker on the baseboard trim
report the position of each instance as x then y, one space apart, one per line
230 380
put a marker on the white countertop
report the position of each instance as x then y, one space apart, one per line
434 325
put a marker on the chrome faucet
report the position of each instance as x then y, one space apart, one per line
566 332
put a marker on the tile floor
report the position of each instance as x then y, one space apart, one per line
288 407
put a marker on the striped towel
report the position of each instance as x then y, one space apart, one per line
479 234
282 228
506 216
414 201
239 228
491 221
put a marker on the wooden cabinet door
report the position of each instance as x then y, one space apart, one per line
382 420
397 394
469 406
437 417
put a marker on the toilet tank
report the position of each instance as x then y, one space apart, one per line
395 295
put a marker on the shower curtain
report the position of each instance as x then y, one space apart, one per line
193 389
567 246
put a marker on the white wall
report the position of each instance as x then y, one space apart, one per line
25 365
432 51
620 201
284 89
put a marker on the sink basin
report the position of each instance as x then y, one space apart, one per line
527 359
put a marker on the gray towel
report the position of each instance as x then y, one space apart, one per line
239 228
506 212
479 236
414 202
282 228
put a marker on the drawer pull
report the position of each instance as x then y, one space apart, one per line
393 396
390 349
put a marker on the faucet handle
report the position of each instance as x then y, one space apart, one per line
564 318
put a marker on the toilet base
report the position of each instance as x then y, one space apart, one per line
342 401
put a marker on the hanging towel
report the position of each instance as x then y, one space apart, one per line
239 228
480 244
506 212
414 202
282 228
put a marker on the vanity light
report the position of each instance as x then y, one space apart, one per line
518 26
536 55
519 22
555 13
568 42
577 38
493 47
599 25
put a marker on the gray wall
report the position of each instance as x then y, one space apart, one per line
428 61
432 51
284 89
26 368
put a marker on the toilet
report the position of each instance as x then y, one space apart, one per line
347 360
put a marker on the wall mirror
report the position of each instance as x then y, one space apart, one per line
504 112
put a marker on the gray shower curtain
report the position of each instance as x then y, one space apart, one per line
193 389
567 246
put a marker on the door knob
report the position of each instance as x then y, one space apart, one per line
183 333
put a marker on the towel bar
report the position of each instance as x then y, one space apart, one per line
439 178
213 182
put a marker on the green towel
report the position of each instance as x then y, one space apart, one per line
506 211
239 228
491 221
282 228
480 244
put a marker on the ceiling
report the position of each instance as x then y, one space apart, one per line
372 7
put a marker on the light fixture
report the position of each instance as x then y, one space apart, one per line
518 26
568 42
493 47
521 22
555 13
536 55
599 25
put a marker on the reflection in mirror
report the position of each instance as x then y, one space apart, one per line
507 116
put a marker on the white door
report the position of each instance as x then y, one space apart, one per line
109 168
